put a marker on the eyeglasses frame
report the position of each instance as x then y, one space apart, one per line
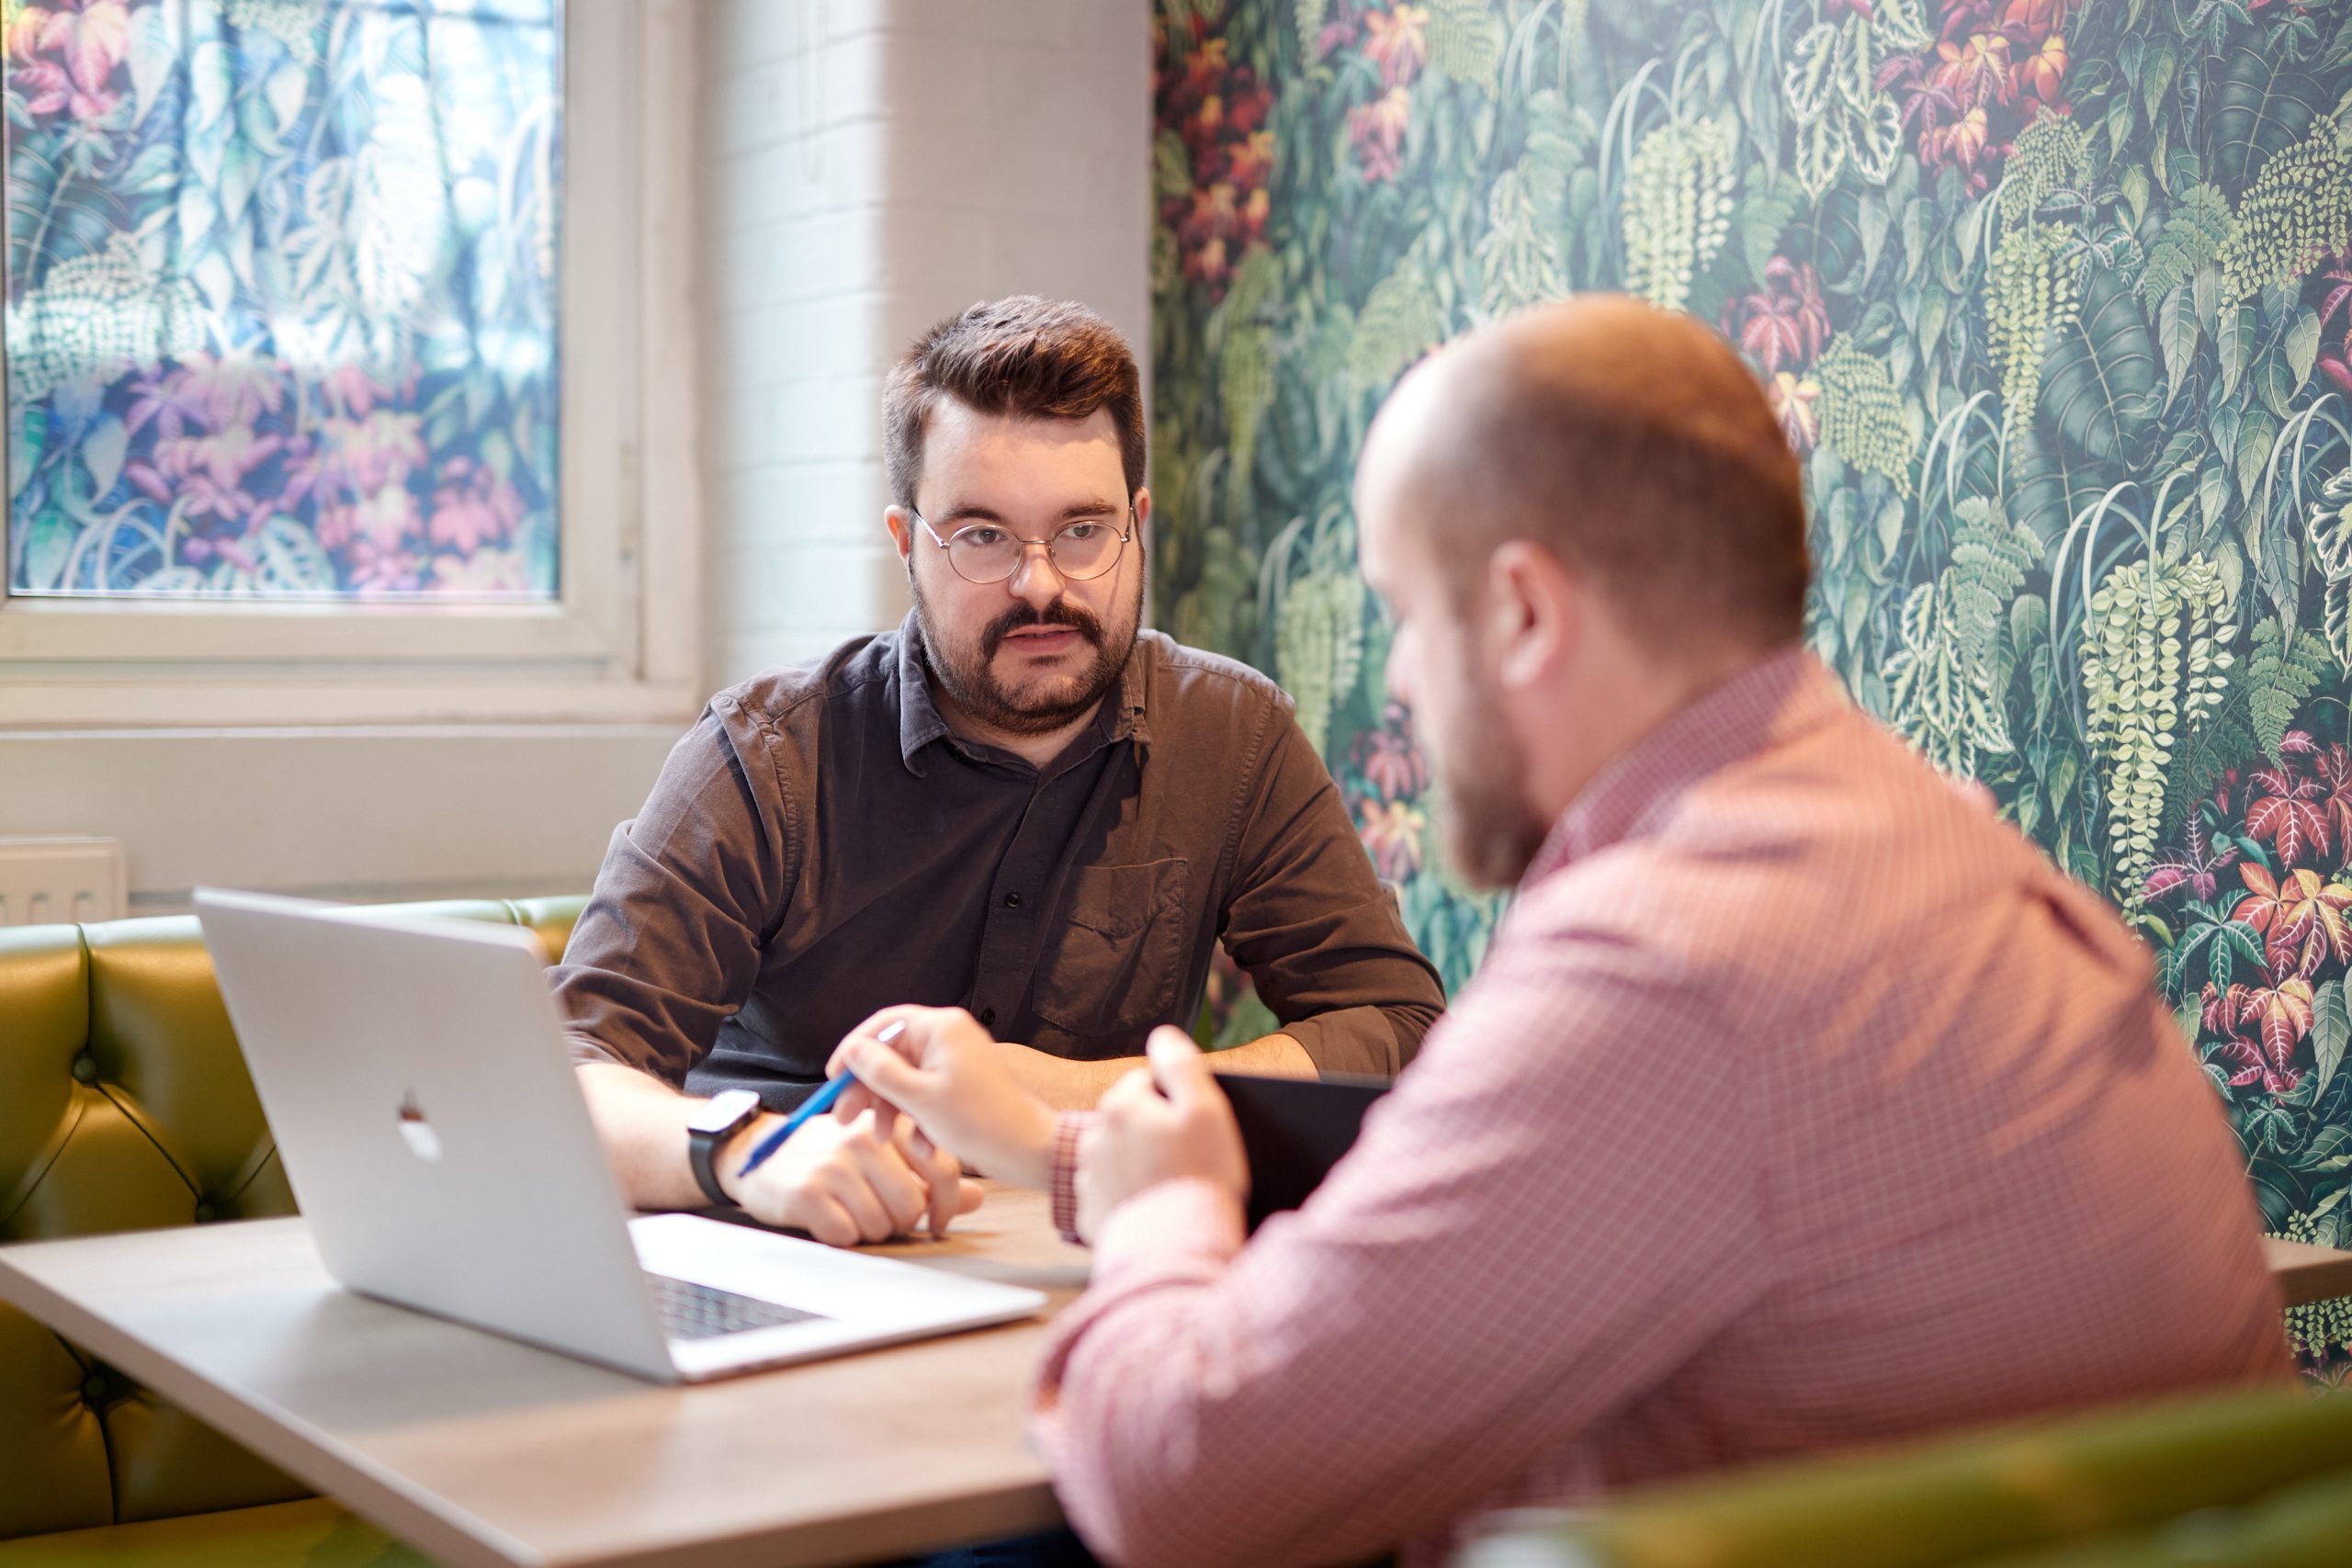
1047 545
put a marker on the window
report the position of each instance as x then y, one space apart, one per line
340 335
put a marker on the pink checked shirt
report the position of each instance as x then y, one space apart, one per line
1799 1104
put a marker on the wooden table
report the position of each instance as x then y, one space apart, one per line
477 1450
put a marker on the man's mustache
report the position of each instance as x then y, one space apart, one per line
1061 613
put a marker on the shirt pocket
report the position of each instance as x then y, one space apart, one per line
1122 947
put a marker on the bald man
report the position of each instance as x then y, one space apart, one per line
1800 1104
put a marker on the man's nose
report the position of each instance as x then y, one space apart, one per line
1035 580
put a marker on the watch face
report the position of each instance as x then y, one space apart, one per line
723 1111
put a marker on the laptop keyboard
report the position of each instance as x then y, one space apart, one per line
701 1312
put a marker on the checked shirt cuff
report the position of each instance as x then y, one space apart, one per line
1063 1187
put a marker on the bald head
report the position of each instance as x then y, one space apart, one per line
1630 443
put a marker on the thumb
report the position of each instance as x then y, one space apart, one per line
1178 1066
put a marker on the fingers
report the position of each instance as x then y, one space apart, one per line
941 1169
901 1196
882 1072
825 1220
1179 1066
869 1218
906 1028
1132 1093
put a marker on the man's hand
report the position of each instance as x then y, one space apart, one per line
944 1070
849 1180
1139 1139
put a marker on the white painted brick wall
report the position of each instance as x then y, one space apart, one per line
872 166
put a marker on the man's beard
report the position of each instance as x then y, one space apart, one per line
1491 833
969 675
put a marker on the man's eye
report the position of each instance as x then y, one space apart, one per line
1082 533
983 538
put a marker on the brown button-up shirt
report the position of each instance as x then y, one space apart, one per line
820 844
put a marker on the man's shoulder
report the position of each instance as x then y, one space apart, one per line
1187 682
856 671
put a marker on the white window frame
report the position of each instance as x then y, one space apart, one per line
622 643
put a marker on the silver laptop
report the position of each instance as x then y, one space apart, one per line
415 1075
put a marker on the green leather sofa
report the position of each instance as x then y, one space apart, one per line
125 1104
2260 1480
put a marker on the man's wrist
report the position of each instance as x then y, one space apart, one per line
1030 1160
727 1159
1061 1082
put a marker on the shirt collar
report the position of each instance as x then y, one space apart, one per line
1781 695
921 722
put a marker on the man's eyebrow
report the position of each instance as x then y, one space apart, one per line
969 511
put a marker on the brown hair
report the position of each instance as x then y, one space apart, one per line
1026 356
1635 446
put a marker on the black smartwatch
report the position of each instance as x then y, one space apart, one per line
714 1122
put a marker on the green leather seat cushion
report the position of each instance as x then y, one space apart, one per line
2114 1473
125 1105
313 1533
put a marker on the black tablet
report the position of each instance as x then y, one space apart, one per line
1294 1130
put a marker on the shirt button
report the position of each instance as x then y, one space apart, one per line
988 1015
1012 900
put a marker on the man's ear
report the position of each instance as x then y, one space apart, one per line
901 530
1533 614
1143 512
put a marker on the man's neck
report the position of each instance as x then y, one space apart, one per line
1035 748
1643 697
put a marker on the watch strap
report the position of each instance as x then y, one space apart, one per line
702 1149
701 1152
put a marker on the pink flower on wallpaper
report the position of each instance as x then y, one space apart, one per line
93 36
200 493
364 455
231 551
1376 131
351 390
384 518
225 458
484 571
215 394
48 88
1392 763
84 41
1391 831
1398 41
376 569
473 506
1793 398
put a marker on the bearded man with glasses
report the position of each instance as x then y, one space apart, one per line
1018 803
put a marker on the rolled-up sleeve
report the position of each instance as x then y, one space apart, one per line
669 944
1318 934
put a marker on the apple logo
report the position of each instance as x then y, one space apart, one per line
423 1142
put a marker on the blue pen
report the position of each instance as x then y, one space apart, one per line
816 1104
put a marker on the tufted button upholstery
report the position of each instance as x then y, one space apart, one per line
125 1104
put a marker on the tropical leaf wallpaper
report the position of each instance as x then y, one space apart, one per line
2054 301
281 288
